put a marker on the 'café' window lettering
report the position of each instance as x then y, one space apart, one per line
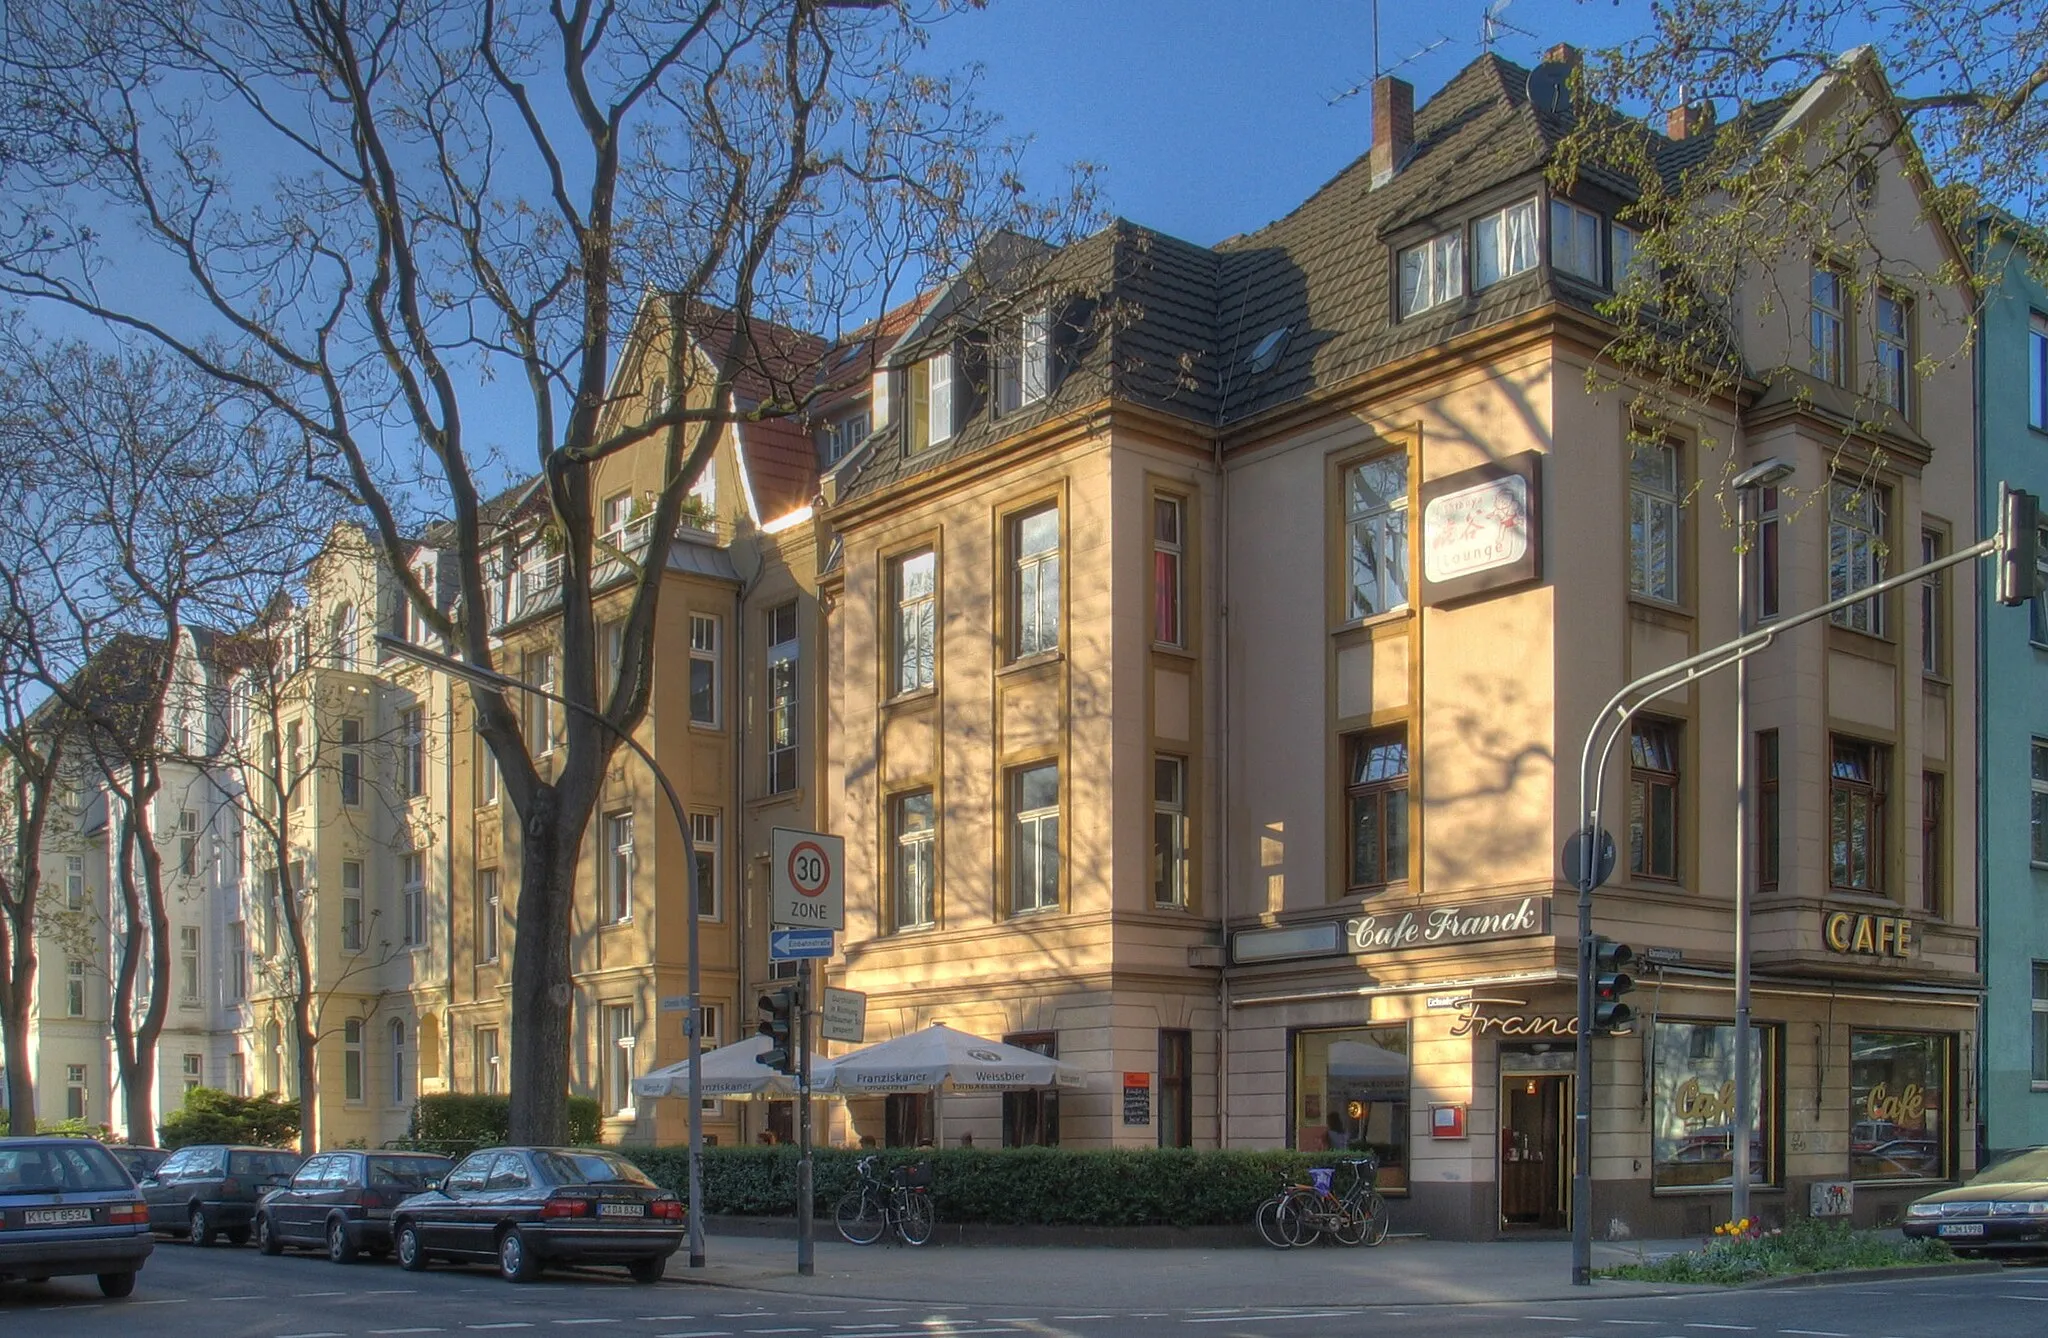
1693 1105
1898 1089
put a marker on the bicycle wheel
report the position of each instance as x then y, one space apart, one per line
1303 1217
915 1218
1348 1223
1374 1209
859 1215
1274 1227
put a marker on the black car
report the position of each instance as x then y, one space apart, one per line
67 1208
139 1162
210 1189
2003 1209
529 1207
342 1202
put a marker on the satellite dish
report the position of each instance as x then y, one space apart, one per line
1548 88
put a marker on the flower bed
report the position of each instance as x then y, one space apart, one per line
1743 1252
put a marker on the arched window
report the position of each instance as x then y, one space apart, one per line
399 1085
342 637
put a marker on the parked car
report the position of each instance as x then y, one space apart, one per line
342 1201
68 1209
210 1190
139 1162
2003 1209
529 1207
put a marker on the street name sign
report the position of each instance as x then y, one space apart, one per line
787 945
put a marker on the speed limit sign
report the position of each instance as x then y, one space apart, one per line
809 880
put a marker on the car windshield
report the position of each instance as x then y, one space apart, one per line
262 1165
587 1168
55 1170
411 1174
2026 1166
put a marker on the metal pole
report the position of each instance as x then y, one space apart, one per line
1582 1083
1738 1206
504 682
805 1263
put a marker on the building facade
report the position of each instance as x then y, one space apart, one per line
1214 632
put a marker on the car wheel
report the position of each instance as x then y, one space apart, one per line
340 1249
199 1228
117 1285
515 1260
266 1236
647 1272
411 1257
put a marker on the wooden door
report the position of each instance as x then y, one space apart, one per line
1534 1154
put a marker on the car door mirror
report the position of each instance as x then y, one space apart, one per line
147 1182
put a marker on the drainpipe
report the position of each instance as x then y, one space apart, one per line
1222 568
448 1032
1980 371
741 857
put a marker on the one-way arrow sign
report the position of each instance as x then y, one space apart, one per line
789 944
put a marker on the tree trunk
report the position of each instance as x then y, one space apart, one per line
15 1004
309 1076
542 990
148 939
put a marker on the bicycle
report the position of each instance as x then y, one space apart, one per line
904 1201
1275 1217
1358 1216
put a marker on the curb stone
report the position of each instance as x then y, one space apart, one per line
1839 1276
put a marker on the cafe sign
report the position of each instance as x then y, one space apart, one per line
1509 917
1857 934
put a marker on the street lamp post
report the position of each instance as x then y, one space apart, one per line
1747 485
491 678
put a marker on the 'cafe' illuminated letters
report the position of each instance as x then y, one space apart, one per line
1859 934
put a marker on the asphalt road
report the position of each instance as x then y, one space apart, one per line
236 1293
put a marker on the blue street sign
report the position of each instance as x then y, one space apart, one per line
789 944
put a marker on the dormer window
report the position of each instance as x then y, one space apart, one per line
1504 244
1023 361
1432 272
617 510
840 437
931 401
1575 240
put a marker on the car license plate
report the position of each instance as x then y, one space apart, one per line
622 1210
55 1216
1960 1229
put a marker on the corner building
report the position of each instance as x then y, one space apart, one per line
1214 632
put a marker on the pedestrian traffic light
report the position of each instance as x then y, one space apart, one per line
1611 980
2019 557
778 1023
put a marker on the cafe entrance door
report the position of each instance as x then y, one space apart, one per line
1535 1151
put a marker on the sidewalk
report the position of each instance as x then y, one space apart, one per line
1398 1273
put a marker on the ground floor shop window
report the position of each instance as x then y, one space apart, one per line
1693 1105
1350 1092
907 1120
1032 1119
1898 1117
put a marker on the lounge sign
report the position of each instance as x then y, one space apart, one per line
1857 934
1482 529
1510 917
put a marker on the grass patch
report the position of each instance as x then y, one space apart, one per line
1804 1246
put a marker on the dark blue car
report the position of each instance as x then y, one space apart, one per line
67 1209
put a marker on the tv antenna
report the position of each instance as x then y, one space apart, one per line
1355 89
1492 25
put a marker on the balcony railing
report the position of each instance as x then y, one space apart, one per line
539 587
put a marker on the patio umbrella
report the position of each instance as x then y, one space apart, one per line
942 1059
732 1072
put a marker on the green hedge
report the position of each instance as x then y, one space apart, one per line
213 1116
1007 1186
459 1122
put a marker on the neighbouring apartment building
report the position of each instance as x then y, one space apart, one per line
2012 410
1213 633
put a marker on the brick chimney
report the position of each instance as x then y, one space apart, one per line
1393 126
1689 119
1564 53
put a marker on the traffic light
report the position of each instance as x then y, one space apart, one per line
778 1022
1611 980
2019 558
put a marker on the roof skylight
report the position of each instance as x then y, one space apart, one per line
1268 350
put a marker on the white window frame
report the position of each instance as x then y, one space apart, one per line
1505 243
1827 324
413 727
1375 537
784 693
74 882
415 899
74 987
1023 361
1438 264
350 763
939 397
1656 506
488 1053
710 1035
354 1081
352 905
488 913
613 515
1894 349
238 960
1621 254
416 630
2037 371
916 632
1034 835
189 963
399 1086
1857 516
704 658
913 868
620 1037
192 1071
74 1091
540 711
619 863
2037 846
1169 554
487 774
1170 828
704 844
2039 1019
188 842
1035 585
343 641
1574 239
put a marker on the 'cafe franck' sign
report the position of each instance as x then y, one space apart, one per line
1510 917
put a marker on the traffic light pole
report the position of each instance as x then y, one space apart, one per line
801 1034
1608 725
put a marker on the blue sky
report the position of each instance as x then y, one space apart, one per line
1213 118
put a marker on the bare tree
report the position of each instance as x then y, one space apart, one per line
378 207
181 503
